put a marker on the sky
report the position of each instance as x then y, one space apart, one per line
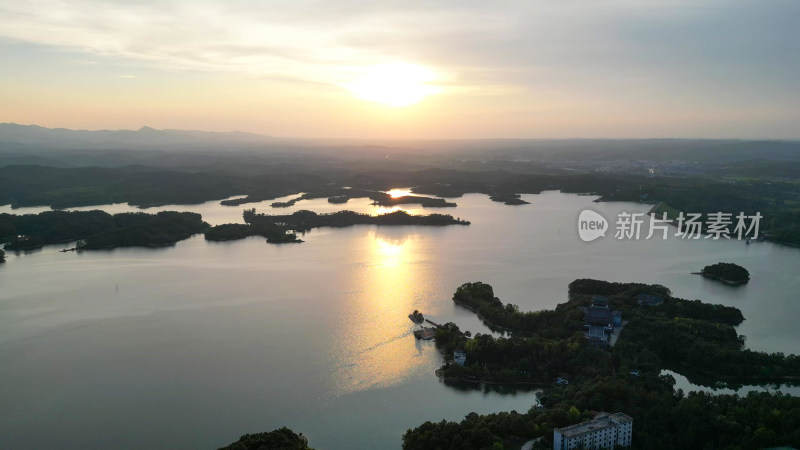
407 69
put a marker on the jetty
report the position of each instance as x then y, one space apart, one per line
425 333
429 333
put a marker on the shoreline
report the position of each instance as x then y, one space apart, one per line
491 382
723 280
492 326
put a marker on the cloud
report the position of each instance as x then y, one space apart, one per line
627 53
326 41
306 41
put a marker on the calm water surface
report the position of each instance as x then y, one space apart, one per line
681 382
194 345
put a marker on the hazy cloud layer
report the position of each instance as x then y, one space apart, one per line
723 53
319 40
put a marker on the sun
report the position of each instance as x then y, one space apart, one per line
394 84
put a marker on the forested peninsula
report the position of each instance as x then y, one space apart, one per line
660 332
306 220
343 195
774 197
275 233
94 230
284 228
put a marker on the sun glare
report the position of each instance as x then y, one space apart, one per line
396 193
394 84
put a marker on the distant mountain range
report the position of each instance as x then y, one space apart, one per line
145 137
26 143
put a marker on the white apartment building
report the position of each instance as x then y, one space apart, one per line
603 432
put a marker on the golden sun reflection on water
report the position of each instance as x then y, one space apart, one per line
379 348
390 254
411 209
389 209
399 192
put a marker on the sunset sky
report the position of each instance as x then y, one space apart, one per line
404 69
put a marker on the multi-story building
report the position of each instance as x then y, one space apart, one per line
600 321
605 431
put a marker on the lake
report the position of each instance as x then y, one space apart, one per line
681 382
192 346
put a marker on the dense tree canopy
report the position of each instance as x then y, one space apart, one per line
280 439
98 229
729 272
663 418
305 220
774 198
691 337
678 334
274 233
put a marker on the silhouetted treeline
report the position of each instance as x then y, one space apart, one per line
97 229
342 195
600 287
427 202
508 199
775 199
51 227
140 186
274 233
280 439
146 230
727 272
306 220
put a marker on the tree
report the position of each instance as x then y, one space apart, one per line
728 272
2 256
574 414
280 439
